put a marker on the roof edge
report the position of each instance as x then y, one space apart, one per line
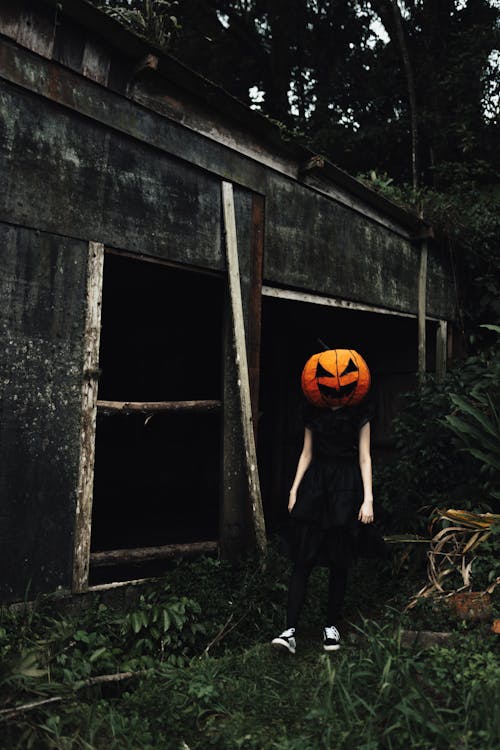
135 46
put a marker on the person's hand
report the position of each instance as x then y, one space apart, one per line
292 499
365 514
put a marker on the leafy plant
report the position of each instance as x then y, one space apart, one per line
385 696
162 629
152 19
476 422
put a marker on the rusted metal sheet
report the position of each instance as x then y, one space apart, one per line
42 286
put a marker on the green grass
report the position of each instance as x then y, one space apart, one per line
373 694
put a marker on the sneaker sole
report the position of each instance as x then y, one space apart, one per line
331 648
282 645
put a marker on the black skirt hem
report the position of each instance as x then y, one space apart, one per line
337 546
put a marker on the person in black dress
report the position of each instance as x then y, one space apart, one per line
331 510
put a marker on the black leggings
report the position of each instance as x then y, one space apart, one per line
297 592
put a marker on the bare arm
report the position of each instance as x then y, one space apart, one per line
302 466
365 464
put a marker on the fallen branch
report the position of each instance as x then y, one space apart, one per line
9 713
225 630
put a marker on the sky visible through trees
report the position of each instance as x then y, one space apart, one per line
364 82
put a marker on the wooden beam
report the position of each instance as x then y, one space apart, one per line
139 555
344 304
177 265
255 305
441 349
240 354
422 304
70 90
91 341
96 62
156 407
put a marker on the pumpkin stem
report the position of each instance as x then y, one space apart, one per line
325 347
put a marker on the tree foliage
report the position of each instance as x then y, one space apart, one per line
338 72
368 95
334 70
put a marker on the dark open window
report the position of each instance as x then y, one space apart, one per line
157 475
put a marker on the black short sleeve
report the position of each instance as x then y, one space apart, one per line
366 411
309 414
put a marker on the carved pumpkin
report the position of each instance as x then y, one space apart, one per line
337 377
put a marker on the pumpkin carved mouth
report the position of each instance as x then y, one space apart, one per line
341 392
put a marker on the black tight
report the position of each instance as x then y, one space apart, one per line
297 592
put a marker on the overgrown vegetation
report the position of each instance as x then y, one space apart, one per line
204 676
191 655
447 445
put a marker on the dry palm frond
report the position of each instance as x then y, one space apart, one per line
451 548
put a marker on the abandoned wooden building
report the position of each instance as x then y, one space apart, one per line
168 264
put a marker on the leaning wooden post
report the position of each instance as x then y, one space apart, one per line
240 354
422 304
81 555
441 349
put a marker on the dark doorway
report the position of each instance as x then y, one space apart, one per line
157 478
291 333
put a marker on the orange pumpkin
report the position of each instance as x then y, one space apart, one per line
337 377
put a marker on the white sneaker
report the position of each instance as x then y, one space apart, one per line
331 638
285 641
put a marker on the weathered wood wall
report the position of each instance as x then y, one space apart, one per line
42 280
138 177
100 143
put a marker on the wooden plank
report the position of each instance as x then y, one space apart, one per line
96 62
74 96
36 31
317 299
235 523
89 411
10 17
255 304
240 354
422 305
113 557
441 349
156 407
177 265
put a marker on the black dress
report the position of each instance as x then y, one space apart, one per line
324 526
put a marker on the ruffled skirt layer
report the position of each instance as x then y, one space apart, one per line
323 525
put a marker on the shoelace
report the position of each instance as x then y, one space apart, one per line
332 632
287 633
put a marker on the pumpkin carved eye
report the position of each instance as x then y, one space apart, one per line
336 377
351 367
321 372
